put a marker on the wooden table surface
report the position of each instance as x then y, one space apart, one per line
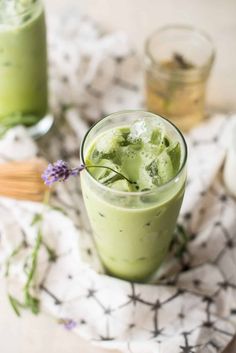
231 348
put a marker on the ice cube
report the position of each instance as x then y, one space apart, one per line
121 185
164 167
140 130
109 142
174 153
103 174
143 130
12 12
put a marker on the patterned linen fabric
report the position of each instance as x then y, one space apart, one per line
190 306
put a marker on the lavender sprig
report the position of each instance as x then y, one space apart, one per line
69 324
60 171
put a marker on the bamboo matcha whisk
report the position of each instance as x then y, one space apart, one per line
22 179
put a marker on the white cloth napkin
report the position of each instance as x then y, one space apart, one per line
192 306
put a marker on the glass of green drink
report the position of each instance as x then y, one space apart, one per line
23 66
133 203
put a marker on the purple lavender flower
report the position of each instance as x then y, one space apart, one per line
59 171
69 324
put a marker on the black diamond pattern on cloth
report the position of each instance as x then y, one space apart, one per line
190 306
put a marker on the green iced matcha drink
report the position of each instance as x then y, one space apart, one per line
134 202
23 62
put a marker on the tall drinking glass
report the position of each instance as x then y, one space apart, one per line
133 230
23 64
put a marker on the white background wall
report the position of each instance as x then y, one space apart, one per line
140 17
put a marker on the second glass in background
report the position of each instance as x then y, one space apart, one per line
178 62
23 67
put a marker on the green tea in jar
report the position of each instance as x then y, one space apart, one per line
176 74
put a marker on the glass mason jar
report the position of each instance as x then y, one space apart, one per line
23 64
178 60
132 230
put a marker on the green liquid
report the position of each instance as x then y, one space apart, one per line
133 234
23 68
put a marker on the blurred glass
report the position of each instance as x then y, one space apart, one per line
23 65
178 60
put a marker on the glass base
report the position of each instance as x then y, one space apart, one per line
42 127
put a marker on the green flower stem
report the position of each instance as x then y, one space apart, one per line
111 169
30 301
16 305
14 253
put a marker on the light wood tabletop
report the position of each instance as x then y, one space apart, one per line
231 347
